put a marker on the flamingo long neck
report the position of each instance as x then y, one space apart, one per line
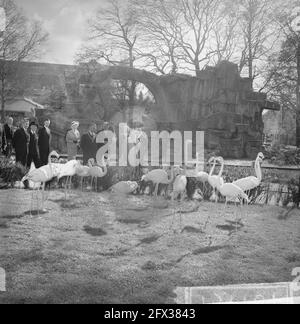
213 168
222 170
50 163
258 169
220 179
171 180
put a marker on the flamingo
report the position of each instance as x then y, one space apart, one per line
179 185
68 170
82 172
125 187
229 190
31 184
179 188
95 171
201 175
42 175
213 179
158 177
250 183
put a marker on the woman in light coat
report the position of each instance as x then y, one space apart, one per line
73 141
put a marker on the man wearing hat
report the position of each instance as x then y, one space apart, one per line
44 142
33 150
88 144
20 142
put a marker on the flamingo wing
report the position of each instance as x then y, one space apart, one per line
203 176
231 191
38 176
214 181
180 184
158 176
247 184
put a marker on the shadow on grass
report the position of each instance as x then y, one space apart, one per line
192 230
35 213
13 217
210 249
3 225
94 231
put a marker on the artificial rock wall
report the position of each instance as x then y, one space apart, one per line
219 101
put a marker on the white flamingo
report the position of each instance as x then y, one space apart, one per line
96 172
213 180
201 175
250 183
68 170
179 189
83 172
31 184
158 177
125 187
41 176
229 190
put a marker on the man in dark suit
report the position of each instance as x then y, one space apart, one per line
33 150
88 144
44 142
21 141
7 137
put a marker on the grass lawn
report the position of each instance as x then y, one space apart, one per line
100 248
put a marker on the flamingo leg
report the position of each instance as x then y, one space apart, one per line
43 196
31 204
180 219
38 205
66 188
236 217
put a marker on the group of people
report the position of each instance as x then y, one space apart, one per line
87 142
29 142
32 143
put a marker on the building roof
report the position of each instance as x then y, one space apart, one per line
22 105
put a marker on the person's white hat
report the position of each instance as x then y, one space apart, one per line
75 123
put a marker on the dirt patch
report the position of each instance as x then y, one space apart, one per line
94 231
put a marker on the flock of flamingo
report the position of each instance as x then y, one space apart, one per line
237 191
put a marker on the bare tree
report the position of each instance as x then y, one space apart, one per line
21 40
113 37
158 46
186 35
259 34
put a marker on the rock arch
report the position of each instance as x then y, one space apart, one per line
150 80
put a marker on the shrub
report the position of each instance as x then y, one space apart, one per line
11 172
